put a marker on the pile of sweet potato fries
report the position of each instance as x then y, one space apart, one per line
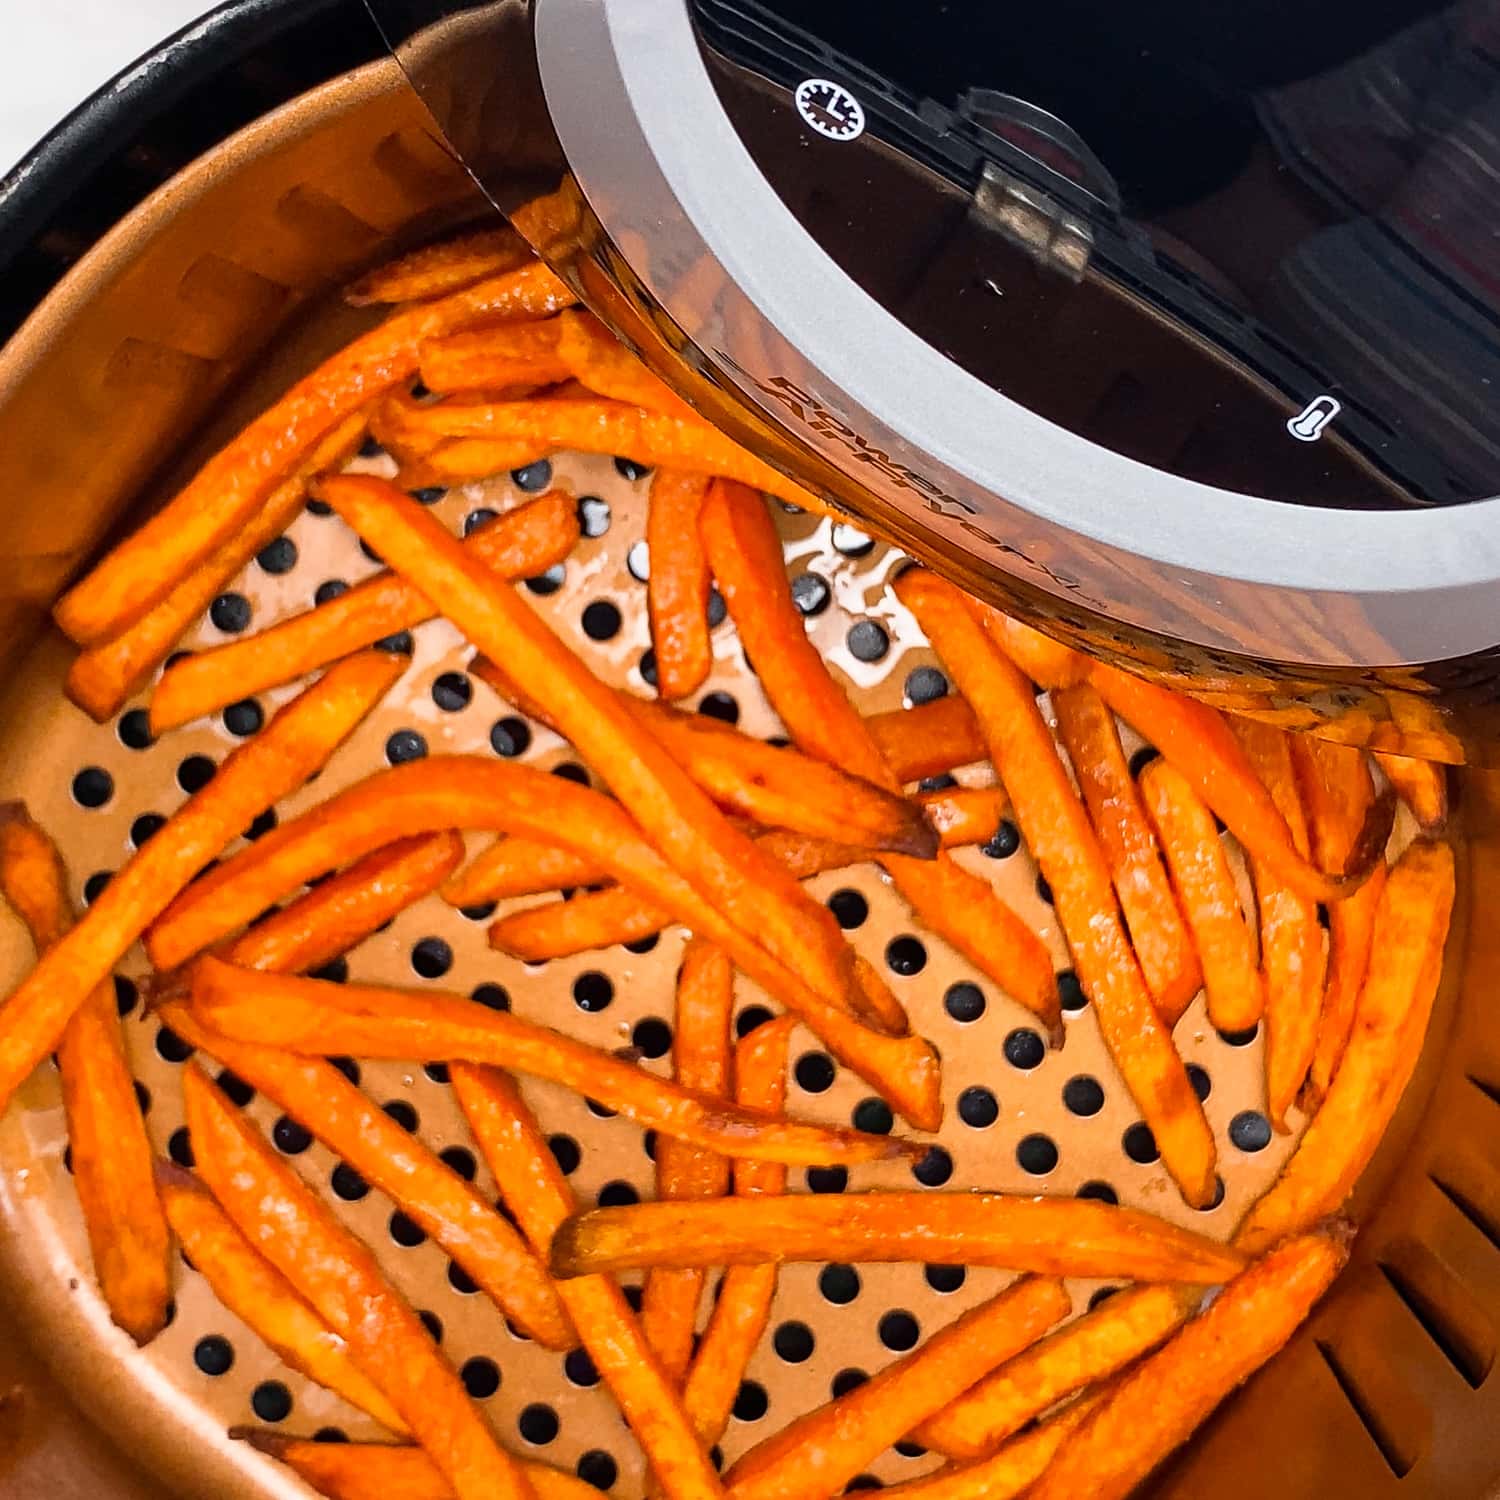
487 364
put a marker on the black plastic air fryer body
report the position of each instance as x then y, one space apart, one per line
1174 330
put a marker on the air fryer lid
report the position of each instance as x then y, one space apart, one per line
1122 316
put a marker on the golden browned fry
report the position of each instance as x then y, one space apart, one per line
491 359
515 865
1351 938
1336 791
678 587
742 1308
1421 784
1390 1021
927 739
436 270
101 678
1157 930
817 1455
299 1234
518 544
262 1298
320 1018
536 1191
1150 1411
233 485
1057 830
112 1157
700 1060
296 743
1089 1349
964 814
1050 1236
1046 662
603 366
745 553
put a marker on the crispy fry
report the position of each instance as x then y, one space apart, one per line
112 1157
927 739
817 1455
605 367
1336 790
436 270
745 553
1390 1021
1050 1236
538 1194
556 929
490 359
232 486
519 544
518 866
296 743
1088 1349
1048 663
678 587
1159 1404
1056 828
262 1298
103 677
1206 888
700 1060
742 1308
1421 784
964 814
323 1019
1157 930
1351 935
299 1234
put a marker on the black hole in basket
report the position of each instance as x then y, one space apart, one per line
481 912
134 729
910 1450
538 1424
290 1137
433 1324
793 1342
632 1295
510 737
236 1090
925 685
717 611
1083 1095
906 955
330 1434
1141 759
143 827
1101 1296
617 1195
428 494
271 1401
261 825
1006 840
405 1232
628 468
1140 1144
126 995
838 1284
899 1331
547 583
751 1402
171 1047
647 667
1100 1192
1036 1154
431 957
652 1037
593 515
644 944
436 1071
578 1366
942 783
597 1468
846 1381
648 1144
601 620
335 971
1250 1131
481 516
749 1018
460 1280
142 1097
851 541
195 772
481 1377
978 1107
945 1278
1024 1048
244 718
1217 1198
1043 890
721 706
533 478
180 1147
1239 1038
867 640
811 593
934 1169
329 590
570 770
827 1179
814 1072
1202 1084
452 692
68 1159
94 886
403 1114
348 1067
849 908
214 1354
347 1183
593 991
405 745
230 612
565 1152
599 1111
492 996
279 556
873 1116
964 1001
93 787
400 644
1070 992
638 562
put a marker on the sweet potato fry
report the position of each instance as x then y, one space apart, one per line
818 1454
1206 888
299 1234
436 270
700 1060
927 739
1162 1401
742 1308
1087 1350
491 359
1421 784
262 1298
556 929
297 742
1157 930
1390 1021
538 1194
1351 938
518 866
232 486
101 678
1056 828
1047 663
112 1157
964 814
678 587
745 553
519 544
605 367
1336 791
1049 1236
319 1018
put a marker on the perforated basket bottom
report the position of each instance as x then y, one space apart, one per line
1063 1124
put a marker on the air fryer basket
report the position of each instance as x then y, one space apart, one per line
162 337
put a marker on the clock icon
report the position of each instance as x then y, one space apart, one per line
830 109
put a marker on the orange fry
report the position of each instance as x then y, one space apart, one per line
262 1298
1206 888
745 553
1336 790
490 359
297 742
927 739
519 544
323 1019
818 1454
1057 829
599 919
1390 1022
700 1060
233 485
101 678
605 367
1351 935
678 586
518 866
1421 784
299 1234
436 270
1046 662
1152 916
112 1157
1161 1402
1049 1236
964 814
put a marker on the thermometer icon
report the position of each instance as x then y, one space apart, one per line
1307 426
